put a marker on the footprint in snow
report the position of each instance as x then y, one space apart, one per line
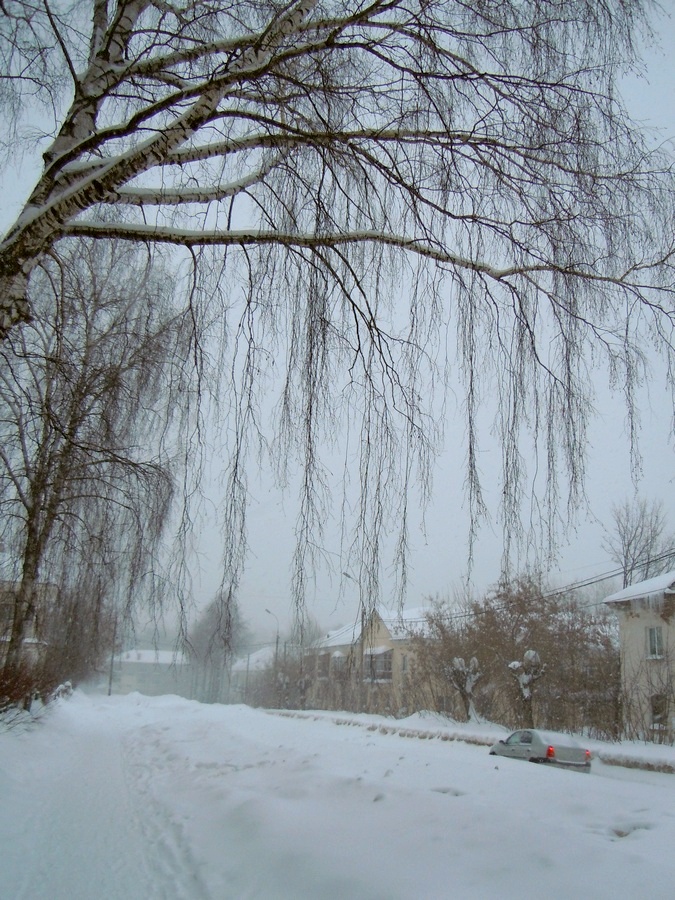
453 792
623 831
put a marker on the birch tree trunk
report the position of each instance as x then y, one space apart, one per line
89 410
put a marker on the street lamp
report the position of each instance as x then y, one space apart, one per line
276 651
270 613
362 654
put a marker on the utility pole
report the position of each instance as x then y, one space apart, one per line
277 686
112 657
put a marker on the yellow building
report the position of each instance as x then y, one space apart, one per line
365 666
646 613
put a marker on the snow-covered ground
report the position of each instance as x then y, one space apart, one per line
134 798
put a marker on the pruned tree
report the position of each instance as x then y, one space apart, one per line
365 173
527 673
465 676
637 540
91 403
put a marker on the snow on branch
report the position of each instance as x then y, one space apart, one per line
527 672
252 237
177 196
245 237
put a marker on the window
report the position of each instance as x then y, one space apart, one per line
338 665
659 704
323 665
655 642
378 666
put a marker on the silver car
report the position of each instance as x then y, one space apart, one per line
544 747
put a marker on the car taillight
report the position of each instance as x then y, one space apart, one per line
550 753
588 756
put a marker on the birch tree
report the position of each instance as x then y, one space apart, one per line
367 174
89 407
638 541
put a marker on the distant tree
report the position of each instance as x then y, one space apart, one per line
305 631
637 540
90 405
78 633
218 636
361 175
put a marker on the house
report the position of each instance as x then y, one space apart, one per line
151 672
365 667
646 613
333 668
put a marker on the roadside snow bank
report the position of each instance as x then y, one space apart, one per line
629 754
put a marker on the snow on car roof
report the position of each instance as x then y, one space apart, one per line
555 737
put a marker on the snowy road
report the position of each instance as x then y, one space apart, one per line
76 822
132 798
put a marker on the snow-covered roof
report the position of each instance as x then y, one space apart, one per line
652 588
377 651
255 662
339 637
401 624
152 657
27 640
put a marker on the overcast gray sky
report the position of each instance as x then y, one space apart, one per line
438 558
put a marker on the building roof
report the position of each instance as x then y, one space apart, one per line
339 637
652 588
256 662
399 625
151 656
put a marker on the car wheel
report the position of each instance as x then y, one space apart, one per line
533 759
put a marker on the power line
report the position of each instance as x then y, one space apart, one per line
567 589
